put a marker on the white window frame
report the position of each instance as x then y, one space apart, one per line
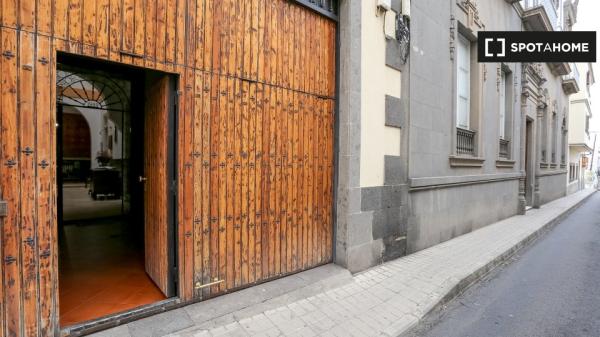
502 106
463 67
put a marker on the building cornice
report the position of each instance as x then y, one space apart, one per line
551 173
428 183
583 146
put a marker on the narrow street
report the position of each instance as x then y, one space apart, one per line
549 289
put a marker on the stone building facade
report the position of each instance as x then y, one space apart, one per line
486 141
464 168
439 145
371 195
545 107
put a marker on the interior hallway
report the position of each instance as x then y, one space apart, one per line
101 270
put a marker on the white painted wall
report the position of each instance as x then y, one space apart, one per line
95 120
377 140
580 110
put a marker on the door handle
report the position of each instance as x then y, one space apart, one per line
142 179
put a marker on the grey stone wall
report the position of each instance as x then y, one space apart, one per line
432 89
447 200
573 187
387 208
350 223
553 187
442 214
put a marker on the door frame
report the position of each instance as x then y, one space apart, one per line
137 76
529 161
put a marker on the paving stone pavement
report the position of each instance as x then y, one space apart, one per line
388 299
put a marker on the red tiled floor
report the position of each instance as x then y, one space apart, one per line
101 272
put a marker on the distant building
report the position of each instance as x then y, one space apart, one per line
581 143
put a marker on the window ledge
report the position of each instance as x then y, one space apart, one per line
464 161
506 163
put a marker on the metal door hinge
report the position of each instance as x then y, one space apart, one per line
3 209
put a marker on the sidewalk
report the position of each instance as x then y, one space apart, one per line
383 301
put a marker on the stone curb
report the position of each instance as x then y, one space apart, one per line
478 274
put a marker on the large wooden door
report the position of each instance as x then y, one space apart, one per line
255 112
262 149
156 183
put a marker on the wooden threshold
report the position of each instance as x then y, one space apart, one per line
121 318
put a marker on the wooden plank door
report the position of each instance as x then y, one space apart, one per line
156 178
263 150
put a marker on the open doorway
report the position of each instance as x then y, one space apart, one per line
115 157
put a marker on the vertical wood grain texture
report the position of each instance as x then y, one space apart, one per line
10 13
257 160
2 306
2 196
46 228
43 17
155 187
27 159
242 183
11 187
205 269
255 137
102 28
186 108
198 188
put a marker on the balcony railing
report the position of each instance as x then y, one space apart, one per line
503 148
575 72
571 81
465 142
548 5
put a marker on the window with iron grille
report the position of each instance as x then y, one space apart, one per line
505 107
465 136
328 8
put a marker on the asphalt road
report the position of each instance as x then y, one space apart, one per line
550 289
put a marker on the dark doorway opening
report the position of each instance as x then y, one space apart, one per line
113 122
529 164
